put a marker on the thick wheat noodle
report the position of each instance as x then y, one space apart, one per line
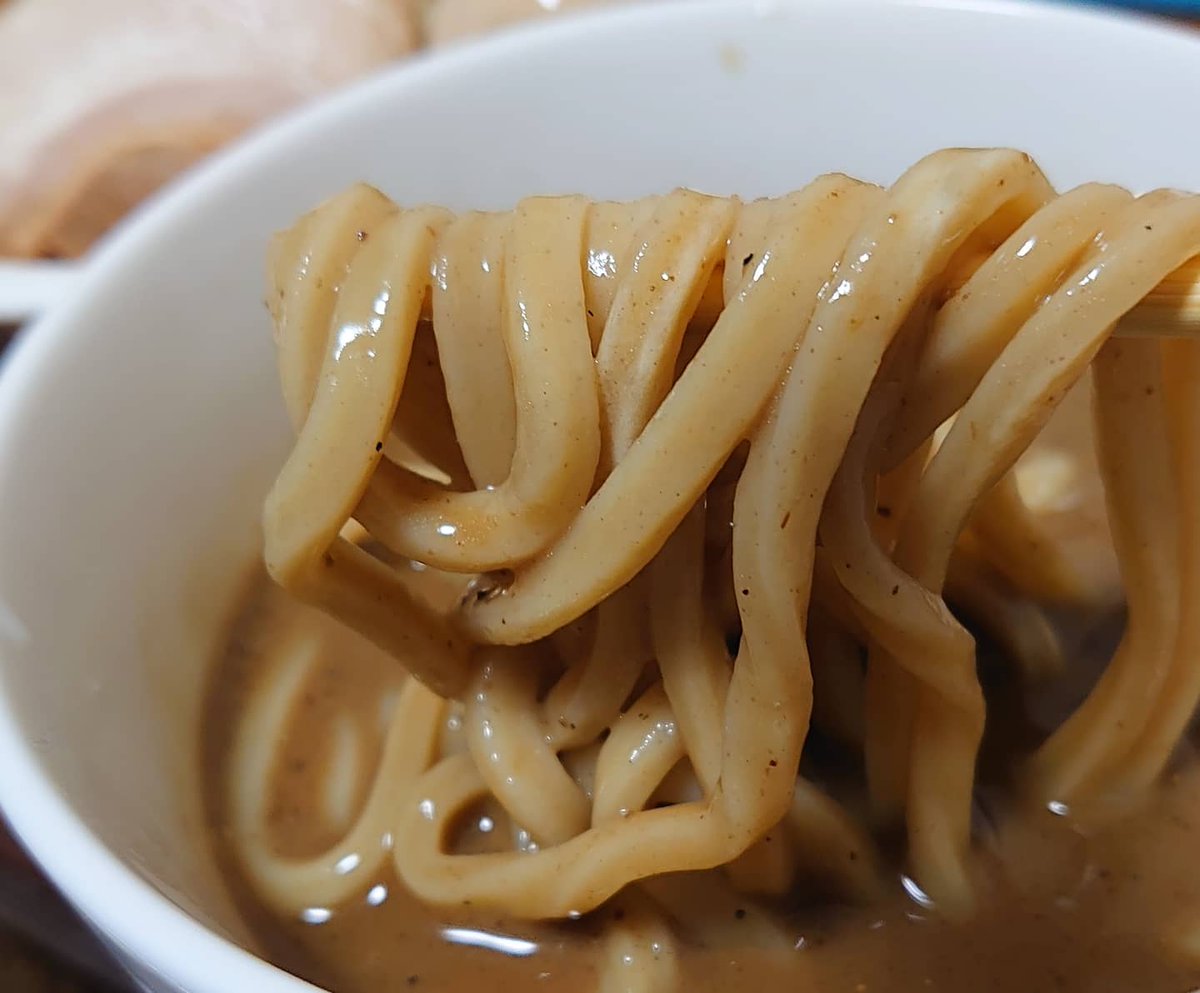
587 699
557 423
576 705
1180 688
690 836
582 703
612 243
1134 458
642 748
635 362
300 300
546 593
467 320
1018 623
635 359
769 867
640 953
615 793
902 618
831 597
696 672
1025 547
942 245
774 485
970 331
1147 240
692 656
331 877
634 511
336 453
968 334
895 610
839 682
601 364
509 747
612 226
695 668
515 749
881 597
895 489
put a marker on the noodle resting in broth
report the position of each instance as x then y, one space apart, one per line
660 511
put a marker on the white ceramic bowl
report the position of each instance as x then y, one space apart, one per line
140 424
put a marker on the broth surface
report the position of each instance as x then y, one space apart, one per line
1063 908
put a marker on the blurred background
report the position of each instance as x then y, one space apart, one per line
104 101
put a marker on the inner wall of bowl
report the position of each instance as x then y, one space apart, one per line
130 503
145 424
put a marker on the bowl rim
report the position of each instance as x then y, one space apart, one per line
139 920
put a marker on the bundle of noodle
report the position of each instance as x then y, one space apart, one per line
637 493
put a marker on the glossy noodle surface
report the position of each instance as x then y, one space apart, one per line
649 575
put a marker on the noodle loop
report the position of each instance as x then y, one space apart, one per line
672 448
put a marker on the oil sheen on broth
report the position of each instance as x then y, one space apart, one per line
1064 909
